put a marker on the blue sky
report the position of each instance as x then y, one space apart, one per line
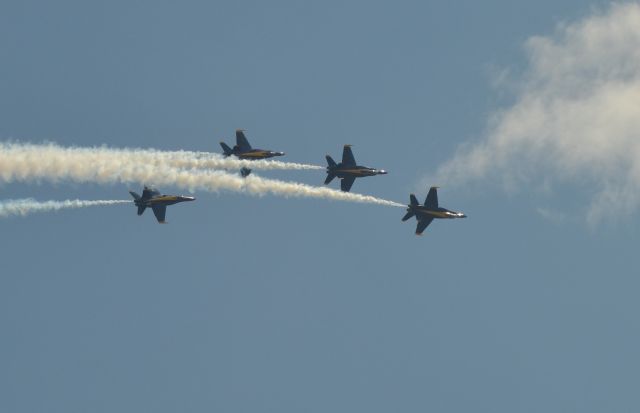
270 304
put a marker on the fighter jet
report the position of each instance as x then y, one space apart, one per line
430 210
347 170
243 149
157 202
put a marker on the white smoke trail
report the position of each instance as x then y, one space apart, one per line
208 160
255 185
177 159
27 163
24 207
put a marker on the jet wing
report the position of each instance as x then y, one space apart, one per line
347 156
242 142
159 211
432 198
346 183
422 225
149 193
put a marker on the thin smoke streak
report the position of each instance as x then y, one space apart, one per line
23 207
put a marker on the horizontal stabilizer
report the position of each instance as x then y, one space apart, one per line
408 215
331 162
329 179
135 195
413 200
141 209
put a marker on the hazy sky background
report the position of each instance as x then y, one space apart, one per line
245 304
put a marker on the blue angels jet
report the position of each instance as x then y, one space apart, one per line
348 170
243 149
153 199
430 210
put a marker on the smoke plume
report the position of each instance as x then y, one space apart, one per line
52 163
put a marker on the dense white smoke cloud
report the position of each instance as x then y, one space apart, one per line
29 163
24 207
576 117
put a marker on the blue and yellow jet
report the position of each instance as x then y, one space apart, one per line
153 199
429 211
243 149
348 170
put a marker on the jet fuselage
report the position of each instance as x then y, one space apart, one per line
423 212
164 200
256 154
358 171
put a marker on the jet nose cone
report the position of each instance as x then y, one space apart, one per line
189 198
279 153
382 172
463 215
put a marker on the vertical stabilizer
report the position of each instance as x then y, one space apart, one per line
408 215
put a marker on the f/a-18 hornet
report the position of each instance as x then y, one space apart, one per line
347 170
151 198
243 149
430 210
